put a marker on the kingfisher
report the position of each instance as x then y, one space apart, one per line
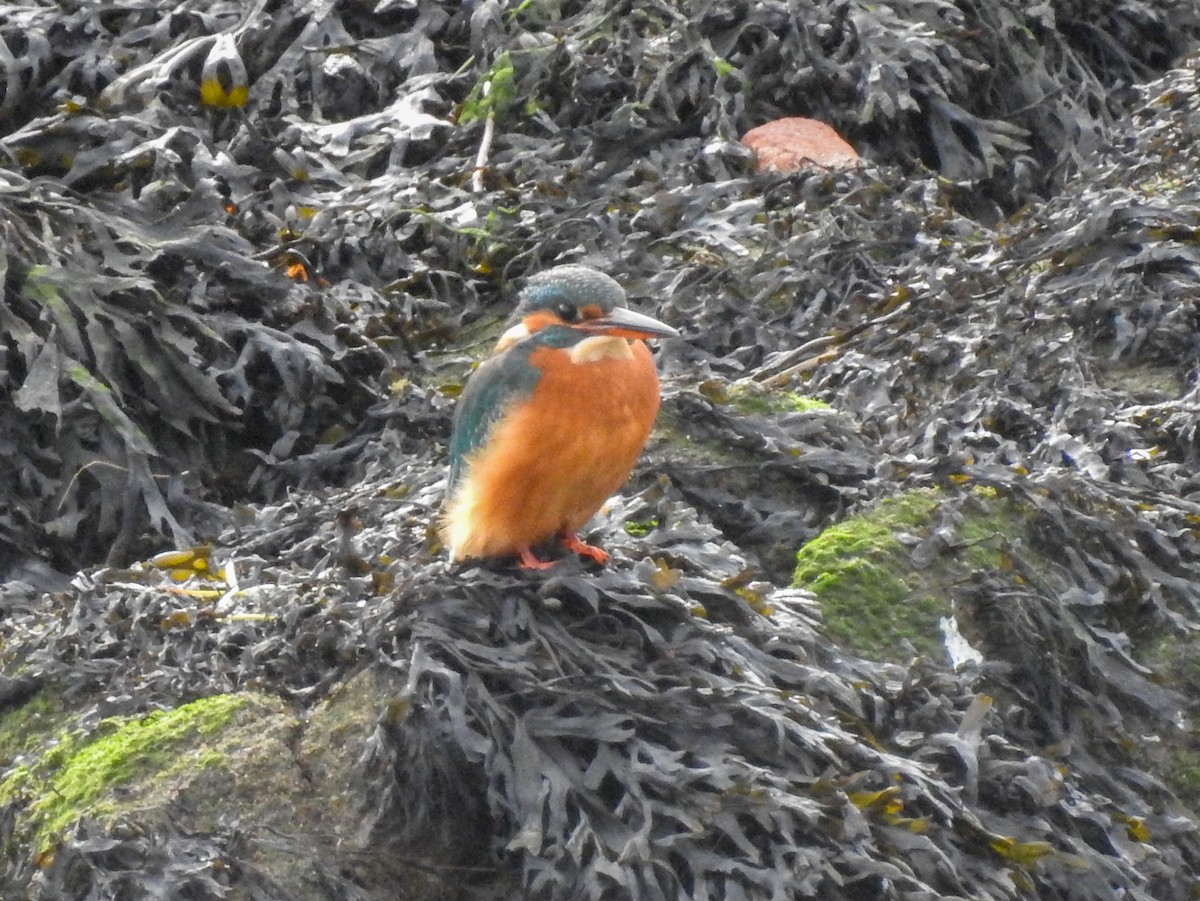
552 423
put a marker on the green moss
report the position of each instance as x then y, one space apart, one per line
874 600
689 448
23 729
802 403
856 569
1186 778
77 774
1175 659
748 398
1142 380
775 402
986 529
641 529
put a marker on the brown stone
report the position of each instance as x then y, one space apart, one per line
795 143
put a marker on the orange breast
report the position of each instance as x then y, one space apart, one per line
555 459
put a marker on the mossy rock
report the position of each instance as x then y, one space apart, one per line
746 397
875 599
127 762
1175 660
242 761
23 729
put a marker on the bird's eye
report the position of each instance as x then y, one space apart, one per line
567 312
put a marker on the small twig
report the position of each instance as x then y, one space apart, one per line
485 146
81 470
813 352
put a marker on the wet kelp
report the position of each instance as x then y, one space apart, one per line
148 228
248 322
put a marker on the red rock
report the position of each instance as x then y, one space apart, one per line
795 143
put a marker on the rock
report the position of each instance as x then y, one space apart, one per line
795 143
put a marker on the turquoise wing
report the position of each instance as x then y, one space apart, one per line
490 392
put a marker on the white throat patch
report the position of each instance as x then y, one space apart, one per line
601 347
517 333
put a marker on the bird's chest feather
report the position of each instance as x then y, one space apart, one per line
600 384
582 428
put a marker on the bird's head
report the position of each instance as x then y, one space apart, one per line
580 298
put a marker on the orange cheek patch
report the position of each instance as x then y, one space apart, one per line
539 320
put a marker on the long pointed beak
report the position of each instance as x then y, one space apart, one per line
625 323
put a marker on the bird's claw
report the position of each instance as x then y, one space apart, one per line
572 543
528 561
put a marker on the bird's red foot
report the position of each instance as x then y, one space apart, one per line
528 561
572 543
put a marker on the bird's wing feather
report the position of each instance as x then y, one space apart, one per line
489 394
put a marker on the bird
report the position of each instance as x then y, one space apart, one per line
551 424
